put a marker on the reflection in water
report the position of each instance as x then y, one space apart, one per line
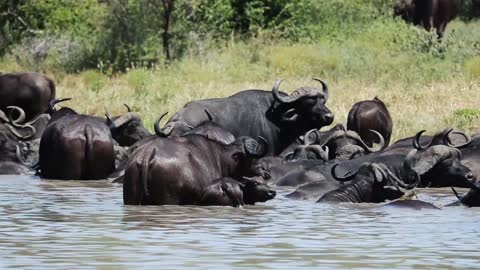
84 224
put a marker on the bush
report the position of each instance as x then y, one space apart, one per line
467 120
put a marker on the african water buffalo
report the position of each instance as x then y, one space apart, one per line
344 144
76 146
428 13
276 116
11 157
30 91
229 192
372 183
176 170
437 165
127 128
370 115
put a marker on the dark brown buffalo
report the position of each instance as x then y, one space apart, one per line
369 115
176 170
30 91
76 146
428 13
230 192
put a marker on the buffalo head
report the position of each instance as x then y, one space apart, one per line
127 128
255 189
343 144
440 166
304 108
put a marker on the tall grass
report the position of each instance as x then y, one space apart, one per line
425 84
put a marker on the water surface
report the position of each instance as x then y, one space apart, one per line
46 224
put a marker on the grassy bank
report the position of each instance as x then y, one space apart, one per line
425 84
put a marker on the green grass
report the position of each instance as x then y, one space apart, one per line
425 84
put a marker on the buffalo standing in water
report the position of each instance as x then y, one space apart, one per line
273 115
28 90
176 170
76 146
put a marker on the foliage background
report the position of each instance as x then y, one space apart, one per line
109 52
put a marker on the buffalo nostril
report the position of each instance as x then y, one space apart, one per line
469 176
329 117
272 193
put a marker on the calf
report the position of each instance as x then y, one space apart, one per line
230 192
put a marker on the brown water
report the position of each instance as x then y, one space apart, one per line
74 225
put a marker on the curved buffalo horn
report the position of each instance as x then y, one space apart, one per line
209 115
252 146
157 128
395 178
456 194
53 102
21 114
416 141
110 122
324 87
306 137
408 161
347 177
3 117
276 94
20 159
125 118
128 107
332 136
355 136
288 156
447 141
20 136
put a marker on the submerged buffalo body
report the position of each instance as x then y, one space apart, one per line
437 166
276 116
230 192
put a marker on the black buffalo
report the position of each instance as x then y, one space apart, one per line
276 116
437 165
76 146
344 144
230 192
369 115
12 156
176 170
428 13
30 91
372 183
127 128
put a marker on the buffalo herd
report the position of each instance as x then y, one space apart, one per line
232 151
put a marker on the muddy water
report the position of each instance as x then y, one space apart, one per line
74 225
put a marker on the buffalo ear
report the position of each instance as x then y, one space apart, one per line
290 115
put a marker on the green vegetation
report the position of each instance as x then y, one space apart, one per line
106 53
